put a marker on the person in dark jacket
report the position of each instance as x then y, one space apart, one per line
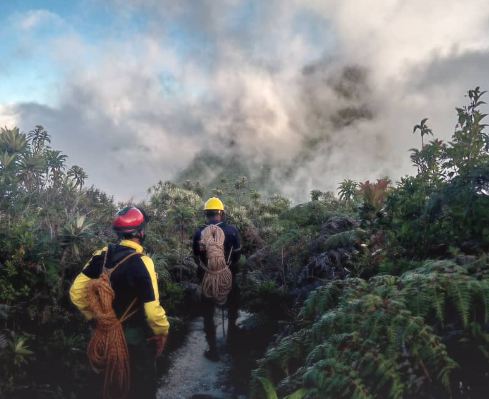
214 211
133 279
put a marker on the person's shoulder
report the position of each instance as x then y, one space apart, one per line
198 230
229 228
142 263
99 252
144 257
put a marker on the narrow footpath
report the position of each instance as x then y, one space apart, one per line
191 375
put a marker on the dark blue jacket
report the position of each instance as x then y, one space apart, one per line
232 246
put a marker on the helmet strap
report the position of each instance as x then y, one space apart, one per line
142 236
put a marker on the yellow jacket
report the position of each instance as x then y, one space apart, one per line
134 278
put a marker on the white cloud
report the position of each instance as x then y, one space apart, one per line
7 117
250 84
36 18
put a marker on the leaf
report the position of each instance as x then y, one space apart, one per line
268 388
19 347
301 393
23 351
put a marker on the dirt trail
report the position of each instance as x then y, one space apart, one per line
191 375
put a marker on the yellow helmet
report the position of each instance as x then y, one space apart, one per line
214 204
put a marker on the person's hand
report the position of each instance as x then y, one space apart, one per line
160 341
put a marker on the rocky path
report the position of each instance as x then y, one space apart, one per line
191 375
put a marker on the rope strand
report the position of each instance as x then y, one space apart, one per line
107 351
218 279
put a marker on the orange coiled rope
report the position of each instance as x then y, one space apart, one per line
107 351
218 279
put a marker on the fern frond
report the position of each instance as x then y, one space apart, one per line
345 239
460 296
382 338
268 388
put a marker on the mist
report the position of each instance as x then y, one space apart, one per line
312 91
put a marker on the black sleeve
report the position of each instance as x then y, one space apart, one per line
143 283
197 254
236 247
196 244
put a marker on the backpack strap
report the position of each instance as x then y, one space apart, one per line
126 314
109 273
228 260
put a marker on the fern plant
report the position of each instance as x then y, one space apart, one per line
381 338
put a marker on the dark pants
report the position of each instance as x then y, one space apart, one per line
208 309
143 365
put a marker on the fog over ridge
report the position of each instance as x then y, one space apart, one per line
312 91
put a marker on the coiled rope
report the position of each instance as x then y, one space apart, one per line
218 279
107 351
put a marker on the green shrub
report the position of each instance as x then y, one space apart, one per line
385 337
266 298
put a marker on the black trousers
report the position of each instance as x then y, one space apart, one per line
143 364
208 310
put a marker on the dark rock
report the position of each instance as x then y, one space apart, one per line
337 224
334 225
471 247
263 260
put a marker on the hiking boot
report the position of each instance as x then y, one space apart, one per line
212 355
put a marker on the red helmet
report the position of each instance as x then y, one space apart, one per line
129 220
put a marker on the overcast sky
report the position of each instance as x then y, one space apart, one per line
132 90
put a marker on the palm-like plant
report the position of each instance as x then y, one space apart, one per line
19 350
78 175
39 137
423 129
75 231
13 141
315 195
7 163
55 163
348 190
30 167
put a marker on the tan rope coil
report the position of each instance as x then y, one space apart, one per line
218 279
107 351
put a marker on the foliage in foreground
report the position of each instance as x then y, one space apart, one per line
388 337
411 334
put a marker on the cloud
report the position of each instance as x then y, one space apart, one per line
8 117
34 19
316 91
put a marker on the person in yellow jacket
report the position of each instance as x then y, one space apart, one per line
134 279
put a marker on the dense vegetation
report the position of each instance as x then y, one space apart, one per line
381 291
412 319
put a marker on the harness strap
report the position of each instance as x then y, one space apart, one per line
126 314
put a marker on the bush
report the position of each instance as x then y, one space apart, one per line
393 331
